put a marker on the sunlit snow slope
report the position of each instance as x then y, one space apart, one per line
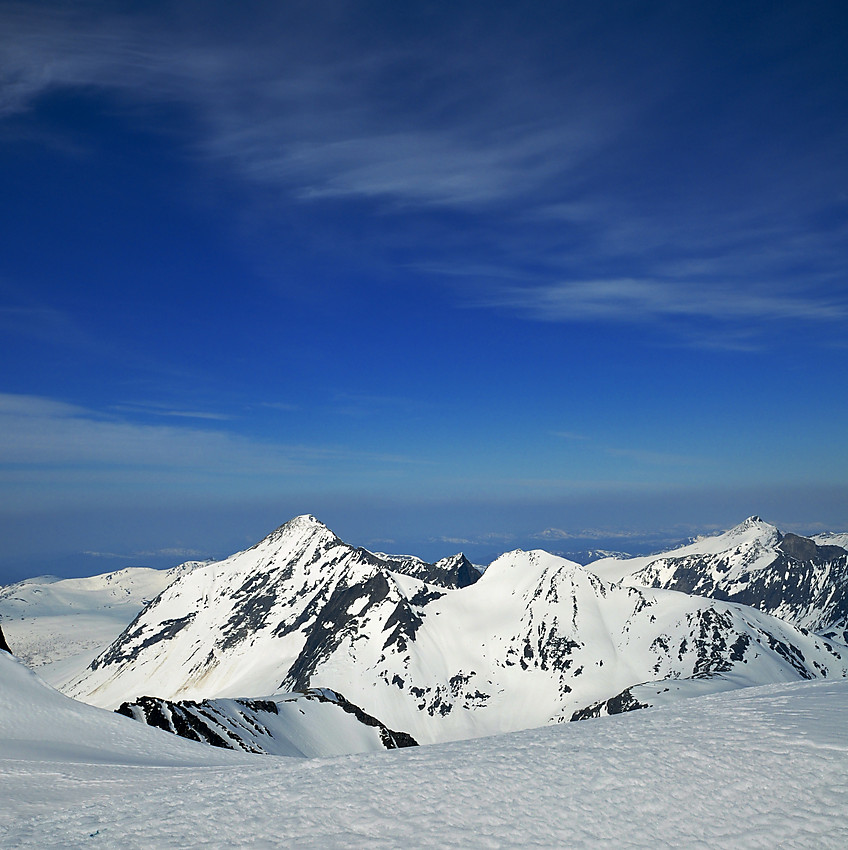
37 723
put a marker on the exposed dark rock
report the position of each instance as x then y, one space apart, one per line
625 701
390 738
179 718
332 622
123 649
3 645
425 596
453 573
466 573
405 623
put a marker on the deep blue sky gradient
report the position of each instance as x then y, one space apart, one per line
445 275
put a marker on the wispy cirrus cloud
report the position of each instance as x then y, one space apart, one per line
320 114
569 435
166 410
562 169
42 323
637 300
168 552
50 441
553 534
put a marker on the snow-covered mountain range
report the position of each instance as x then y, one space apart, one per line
536 640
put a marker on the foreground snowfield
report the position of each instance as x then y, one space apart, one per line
760 767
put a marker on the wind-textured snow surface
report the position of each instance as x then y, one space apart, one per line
757 768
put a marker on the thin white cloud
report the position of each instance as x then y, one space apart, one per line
587 534
43 434
168 552
157 409
636 300
487 538
655 458
41 323
283 406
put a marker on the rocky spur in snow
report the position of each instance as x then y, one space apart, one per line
319 722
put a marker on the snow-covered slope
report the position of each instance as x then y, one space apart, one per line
759 768
58 625
831 538
234 628
798 579
534 640
38 723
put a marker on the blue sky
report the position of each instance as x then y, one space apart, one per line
445 275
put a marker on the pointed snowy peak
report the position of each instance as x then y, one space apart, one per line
752 530
453 572
238 626
300 528
460 569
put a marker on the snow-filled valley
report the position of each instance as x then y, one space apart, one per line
305 646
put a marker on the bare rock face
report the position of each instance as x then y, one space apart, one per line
3 645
